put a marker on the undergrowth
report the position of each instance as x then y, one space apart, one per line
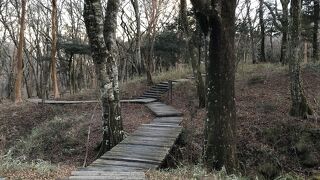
9 163
44 139
191 172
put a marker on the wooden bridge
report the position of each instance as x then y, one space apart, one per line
144 149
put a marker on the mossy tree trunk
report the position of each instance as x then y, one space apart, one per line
101 33
221 113
300 105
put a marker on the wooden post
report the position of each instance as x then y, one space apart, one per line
170 91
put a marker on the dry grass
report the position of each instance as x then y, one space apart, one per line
191 172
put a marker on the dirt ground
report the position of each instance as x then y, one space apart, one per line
267 143
18 122
268 139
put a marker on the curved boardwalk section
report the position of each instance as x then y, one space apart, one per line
144 149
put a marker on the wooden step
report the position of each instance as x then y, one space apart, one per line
163 89
155 91
90 175
151 96
163 110
162 85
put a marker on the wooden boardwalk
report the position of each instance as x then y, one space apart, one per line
58 102
144 149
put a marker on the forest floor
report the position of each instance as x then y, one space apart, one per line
48 142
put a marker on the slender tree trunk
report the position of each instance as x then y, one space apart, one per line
315 55
135 5
102 43
285 30
56 92
299 106
19 75
262 32
251 33
110 27
284 44
191 52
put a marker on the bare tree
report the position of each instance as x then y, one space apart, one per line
54 49
19 75
135 4
283 26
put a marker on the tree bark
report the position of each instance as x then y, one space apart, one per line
102 42
136 8
300 105
110 27
251 31
316 10
184 26
262 32
19 75
221 113
54 79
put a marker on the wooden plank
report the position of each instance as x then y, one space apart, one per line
159 88
142 138
159 125
163 110
159 128
132 159
54 102
103 173
154 134
106 162
107 177
173 120
39 101
162 85
155 91
151 96
111 168
142 101
159 157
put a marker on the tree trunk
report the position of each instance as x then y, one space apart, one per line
110 27
135 5
184 26
284 44
19 75
251 31
299 106
262 32
54 79
285 30
221 122
102 43
315 54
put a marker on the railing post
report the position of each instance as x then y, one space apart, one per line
170 91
